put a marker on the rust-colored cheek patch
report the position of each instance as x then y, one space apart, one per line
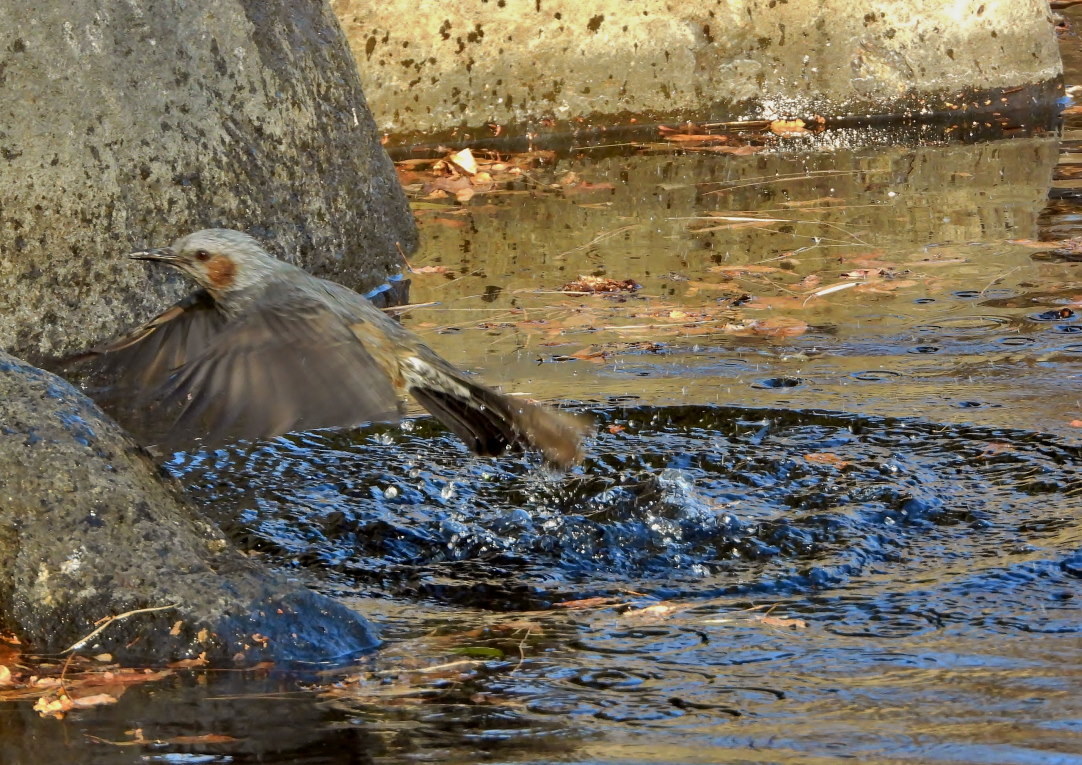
221 271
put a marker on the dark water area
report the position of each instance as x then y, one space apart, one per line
832 511
773 585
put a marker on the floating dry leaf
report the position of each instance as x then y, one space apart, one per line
589 353
464 161
788 127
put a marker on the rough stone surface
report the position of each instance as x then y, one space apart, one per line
126 123
532 64
90 528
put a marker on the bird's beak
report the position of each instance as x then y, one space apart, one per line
161 254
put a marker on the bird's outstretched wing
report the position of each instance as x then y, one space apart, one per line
125 375
191 375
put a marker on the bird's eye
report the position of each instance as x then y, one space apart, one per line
202 256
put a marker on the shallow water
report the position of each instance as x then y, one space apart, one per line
818 526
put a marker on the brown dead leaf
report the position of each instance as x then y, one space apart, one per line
614 429
788 127
776 326
748 269
430 270
737 151
448 222
1075 423
817 202
451 185
206 738
599 602
53 706
864 273
662 610
826 458
693 287
886 286
697 139
600 284
583 187
735 224
97 700
589 353
198 661
780 621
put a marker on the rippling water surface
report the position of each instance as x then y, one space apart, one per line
815 525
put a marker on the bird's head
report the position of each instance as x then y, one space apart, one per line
220 260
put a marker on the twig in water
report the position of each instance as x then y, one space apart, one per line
110 619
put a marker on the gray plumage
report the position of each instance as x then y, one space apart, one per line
264 347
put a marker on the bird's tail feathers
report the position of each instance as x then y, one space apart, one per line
491 422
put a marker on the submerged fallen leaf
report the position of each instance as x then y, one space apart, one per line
585 186
206 738
600 284
781 621
199 661
699 139
97 700
775 326
747 269
826 458
587 603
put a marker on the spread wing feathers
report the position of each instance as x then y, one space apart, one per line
489 421
295 367
141 360
191 374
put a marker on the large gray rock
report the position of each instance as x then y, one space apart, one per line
465 68
125 123
90 528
